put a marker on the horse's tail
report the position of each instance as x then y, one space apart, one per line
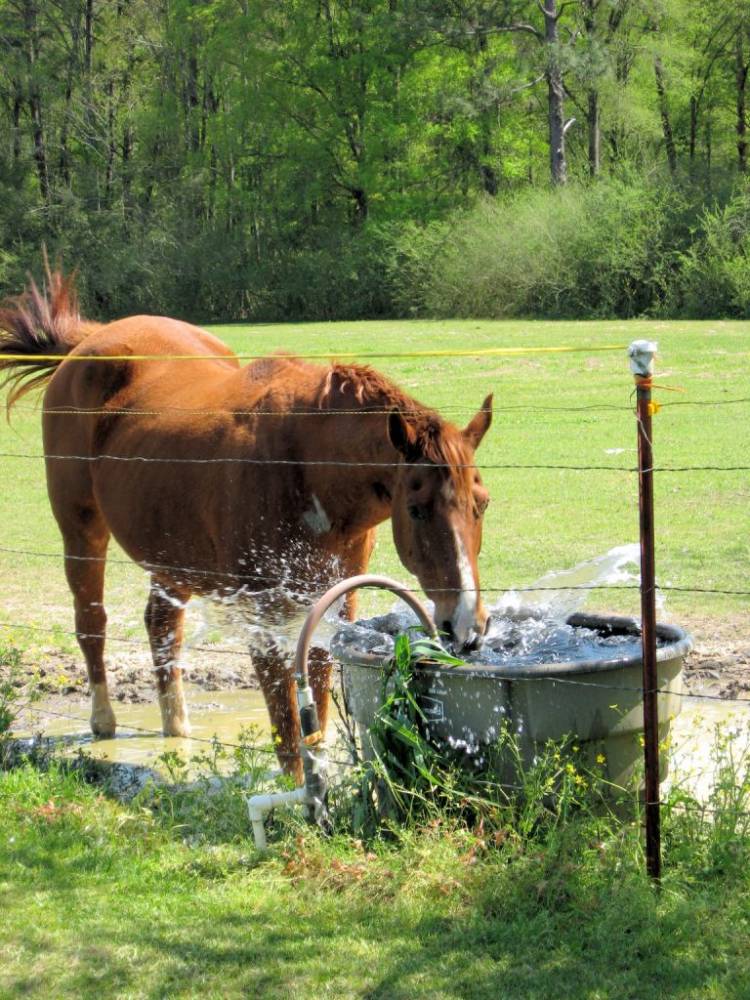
37 329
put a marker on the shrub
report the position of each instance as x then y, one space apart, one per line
581 251
715 270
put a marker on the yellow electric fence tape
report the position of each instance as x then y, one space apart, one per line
325 355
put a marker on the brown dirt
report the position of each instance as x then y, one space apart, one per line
131 679
720 661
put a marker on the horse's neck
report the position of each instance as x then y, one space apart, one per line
352 493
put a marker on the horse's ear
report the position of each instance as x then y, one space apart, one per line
479 425
402 436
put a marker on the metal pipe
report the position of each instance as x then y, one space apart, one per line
313 761
331 596
312 794
641 363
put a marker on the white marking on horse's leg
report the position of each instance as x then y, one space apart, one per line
464 614
316 518
103 721
174 713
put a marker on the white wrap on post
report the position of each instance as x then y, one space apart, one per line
641 354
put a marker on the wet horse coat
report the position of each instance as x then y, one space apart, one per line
219 478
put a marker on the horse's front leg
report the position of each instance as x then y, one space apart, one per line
165 613
280 693
320 671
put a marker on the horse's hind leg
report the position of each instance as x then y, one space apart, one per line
165 613
85 554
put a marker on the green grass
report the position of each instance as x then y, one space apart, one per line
538 519
99 899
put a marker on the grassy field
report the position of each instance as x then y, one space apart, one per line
100 899
538 519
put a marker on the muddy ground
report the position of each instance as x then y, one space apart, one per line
719 665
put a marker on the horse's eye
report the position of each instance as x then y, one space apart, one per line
481 506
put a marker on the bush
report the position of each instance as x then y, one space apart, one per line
715 270
581 251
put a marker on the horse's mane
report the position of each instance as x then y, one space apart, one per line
363 388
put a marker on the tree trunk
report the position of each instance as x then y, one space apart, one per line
741 124
593 112
17 105
192 103
594 131
361 206
88 43
666 123
35 101
127 151
111 143
556 94
693 129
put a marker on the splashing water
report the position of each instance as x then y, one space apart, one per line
531 627
553 594
525 627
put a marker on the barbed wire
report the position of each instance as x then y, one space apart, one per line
329 463
497 671
284 582
56 630
320 412
673 805
361 411
212 741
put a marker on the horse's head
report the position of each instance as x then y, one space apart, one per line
438 506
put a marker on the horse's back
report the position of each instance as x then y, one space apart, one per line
145 352
153 335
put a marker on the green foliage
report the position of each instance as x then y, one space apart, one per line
206 799
102 897
606 249
713 834
715 270
271 161
16 689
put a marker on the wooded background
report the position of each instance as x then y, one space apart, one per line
258 159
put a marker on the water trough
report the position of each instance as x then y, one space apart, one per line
595 695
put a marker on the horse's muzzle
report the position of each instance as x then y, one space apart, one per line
472 642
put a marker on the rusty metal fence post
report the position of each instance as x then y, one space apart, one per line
641 353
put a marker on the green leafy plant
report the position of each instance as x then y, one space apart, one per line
411 779
205 801
16 691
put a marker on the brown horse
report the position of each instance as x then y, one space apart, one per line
219 479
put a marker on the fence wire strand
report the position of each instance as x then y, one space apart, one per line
447 408
282 582
495 668
329 463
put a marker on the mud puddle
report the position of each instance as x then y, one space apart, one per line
223 715
697 736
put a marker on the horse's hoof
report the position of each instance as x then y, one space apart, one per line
174 713
103 726
176 727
